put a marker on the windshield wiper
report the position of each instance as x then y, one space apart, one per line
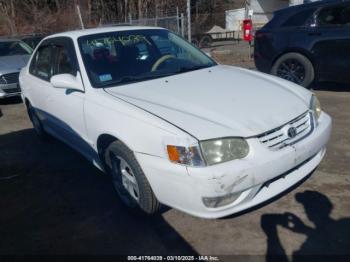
193 68
123 80
132 79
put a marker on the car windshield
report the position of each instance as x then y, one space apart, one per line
9 48
136 55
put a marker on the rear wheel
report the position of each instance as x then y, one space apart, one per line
128 179
294 67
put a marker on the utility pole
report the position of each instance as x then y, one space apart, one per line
178 20
126 10
156 13
80 18
189 21
183 25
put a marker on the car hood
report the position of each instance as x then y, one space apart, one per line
220 101
13 63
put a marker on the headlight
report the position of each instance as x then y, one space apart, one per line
212 152
184 155
223 150
315 106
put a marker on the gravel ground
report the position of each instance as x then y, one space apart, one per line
53 201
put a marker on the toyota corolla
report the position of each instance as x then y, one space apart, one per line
169 124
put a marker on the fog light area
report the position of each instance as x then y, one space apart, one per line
215 202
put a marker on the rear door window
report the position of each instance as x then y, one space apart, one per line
299 19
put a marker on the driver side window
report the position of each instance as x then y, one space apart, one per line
63 62
41 63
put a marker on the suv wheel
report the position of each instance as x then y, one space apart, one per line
128 179
294 67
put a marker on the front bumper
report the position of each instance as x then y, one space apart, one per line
259 177
9 90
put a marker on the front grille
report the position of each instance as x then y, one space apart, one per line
12 90
11 78
281 137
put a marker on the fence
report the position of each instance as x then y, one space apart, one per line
173 15
172 23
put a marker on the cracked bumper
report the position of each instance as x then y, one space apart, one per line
257 178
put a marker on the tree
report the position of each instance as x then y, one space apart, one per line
7 10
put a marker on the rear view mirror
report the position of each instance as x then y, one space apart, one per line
67 81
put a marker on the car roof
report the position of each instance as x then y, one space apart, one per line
315 4
282 15
91 31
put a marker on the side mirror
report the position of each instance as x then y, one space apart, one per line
67 81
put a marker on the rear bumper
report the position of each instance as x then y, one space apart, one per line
264 53
262 64
259 177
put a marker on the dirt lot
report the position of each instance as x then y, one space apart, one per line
53 201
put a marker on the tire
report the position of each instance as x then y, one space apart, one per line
195 42
294 67
37 125
205 41
128 179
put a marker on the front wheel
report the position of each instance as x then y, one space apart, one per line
294 67
128 179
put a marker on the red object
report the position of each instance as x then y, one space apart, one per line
247 30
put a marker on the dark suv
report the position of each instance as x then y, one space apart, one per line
306 43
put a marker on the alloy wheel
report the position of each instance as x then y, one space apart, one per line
292 70
124 181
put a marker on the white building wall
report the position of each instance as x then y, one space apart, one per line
234 19
263 9
295 2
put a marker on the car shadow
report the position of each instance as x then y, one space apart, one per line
327 236
11 100
53 201
331 86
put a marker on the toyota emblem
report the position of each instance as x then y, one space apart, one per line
292 132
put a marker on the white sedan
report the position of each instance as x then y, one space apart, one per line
169 124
